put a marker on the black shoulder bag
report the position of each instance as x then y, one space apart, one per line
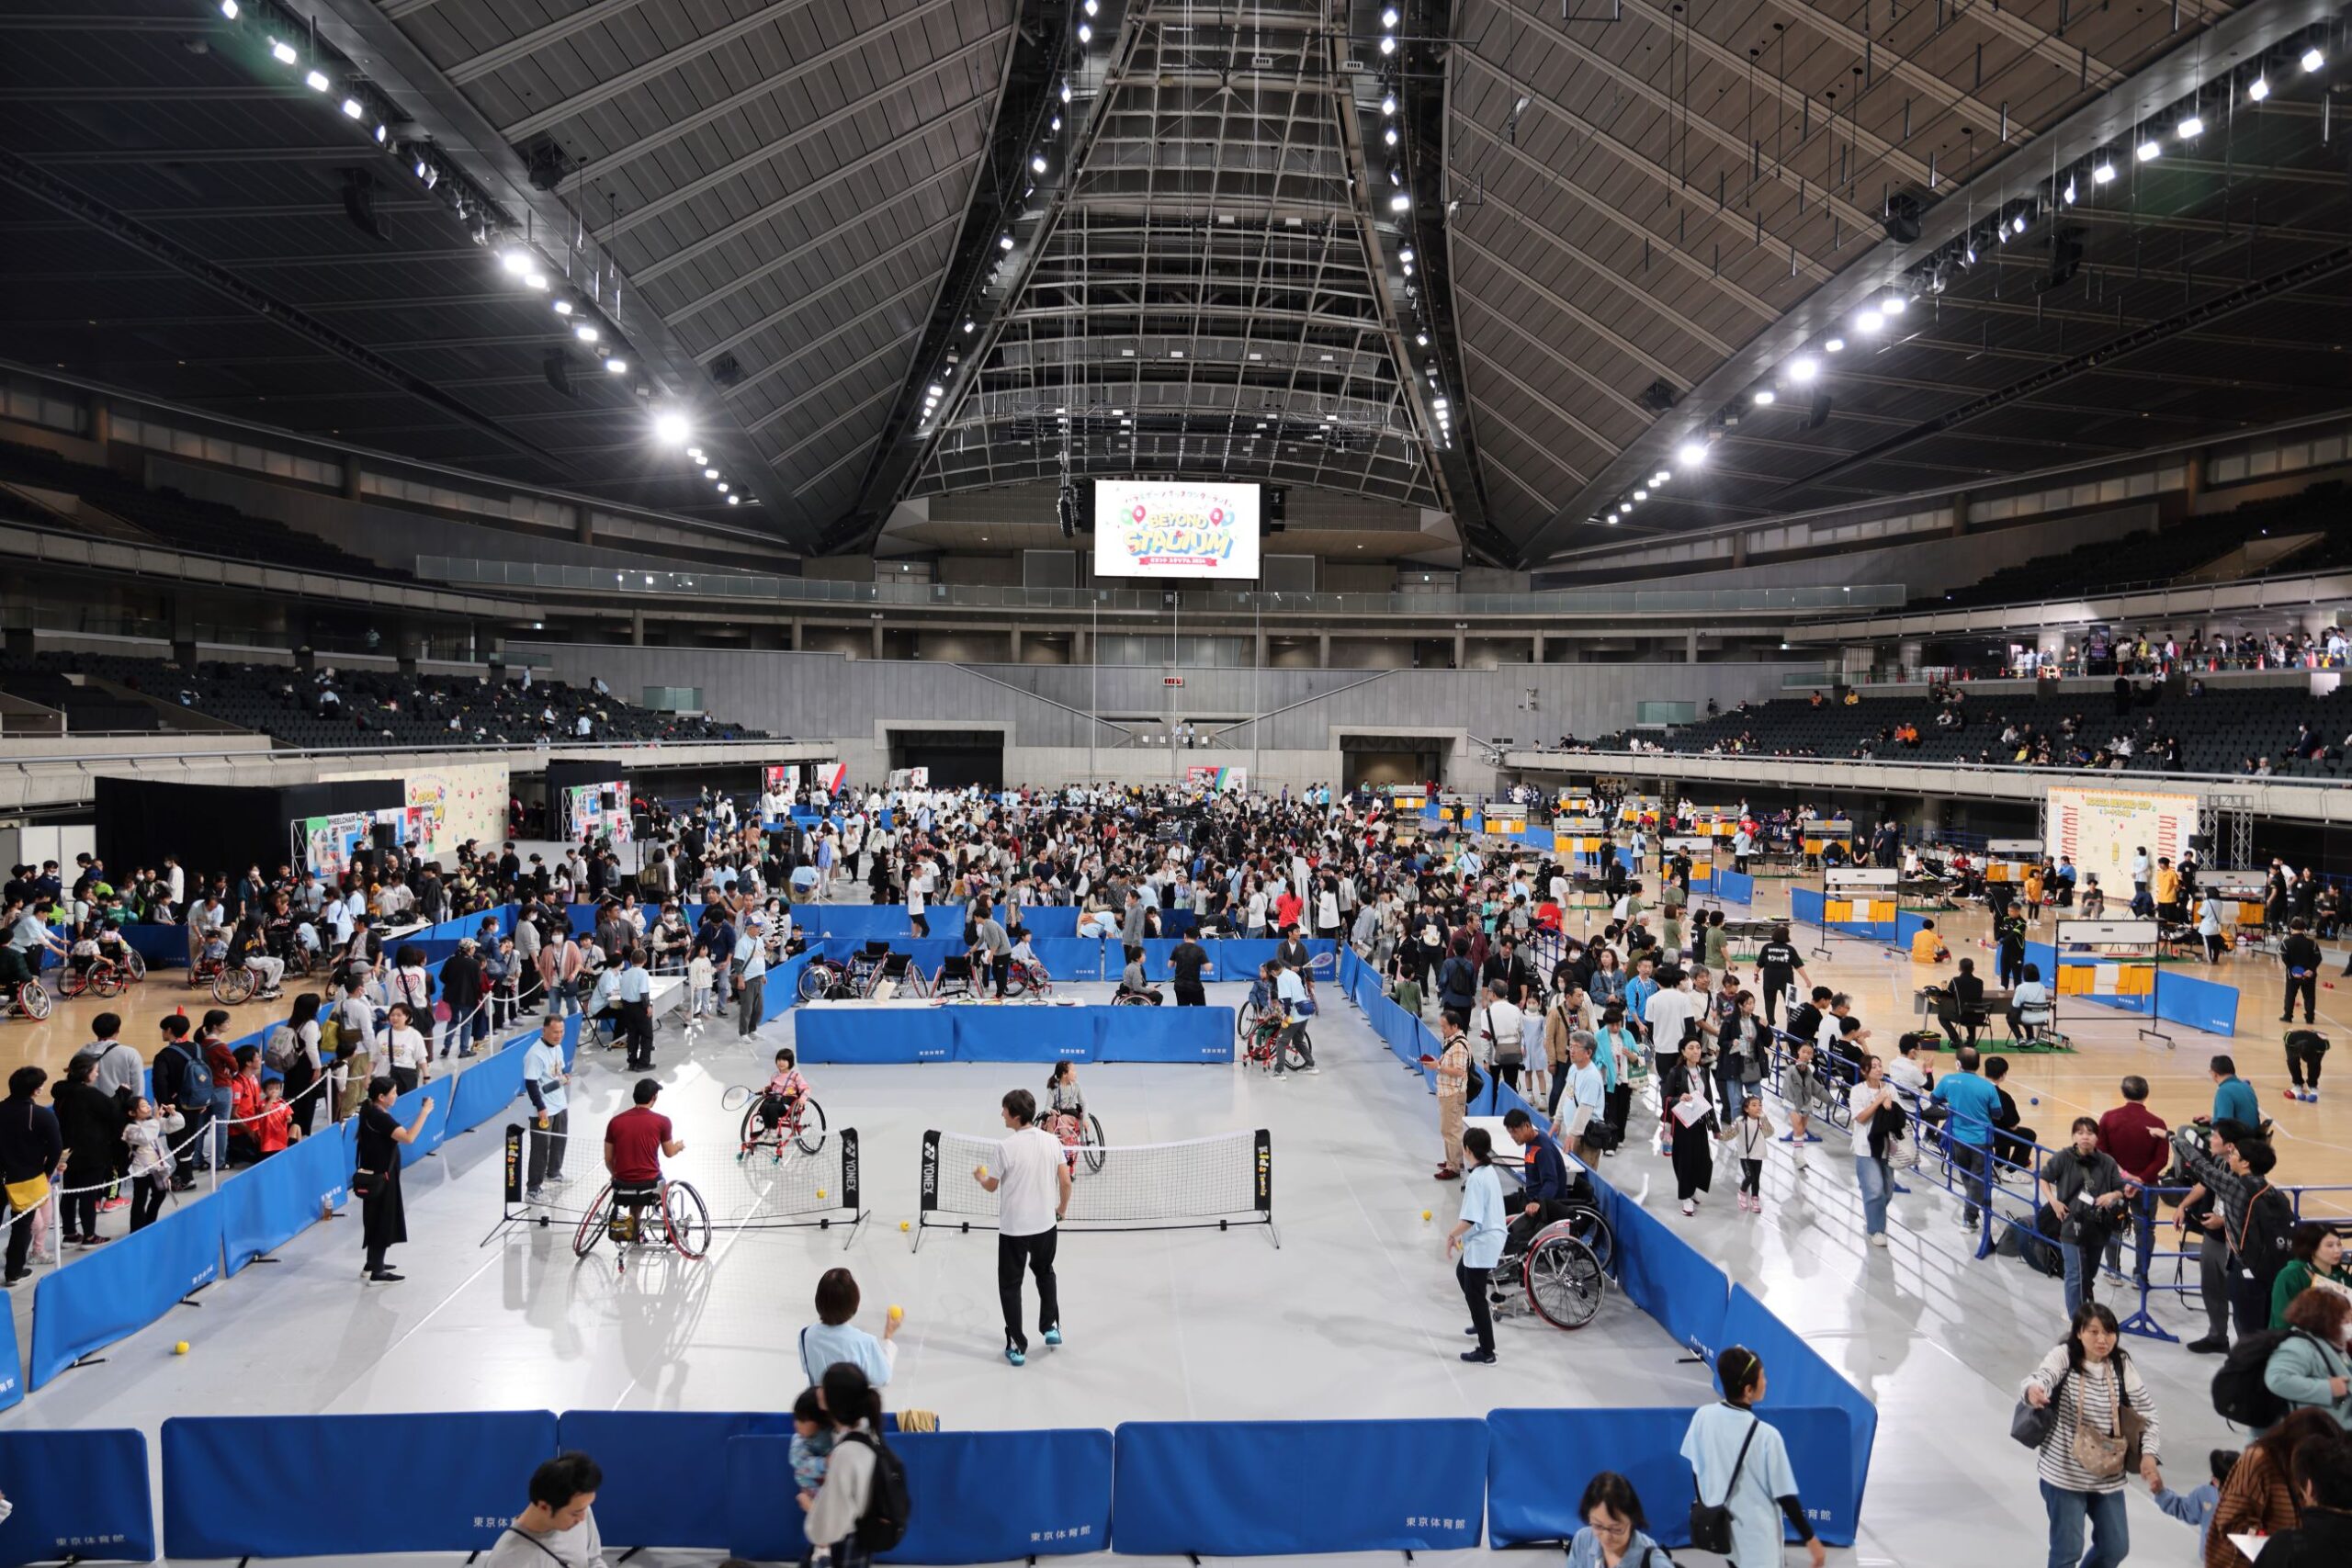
1711 1523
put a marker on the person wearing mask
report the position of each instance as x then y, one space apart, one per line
1975 1106
2260 1498
834 1337
32 1154
1035 1183
2310 1369
548 1084
1741 1464
2134 1136
2086 1186
1478 1239
376 1176
1876 1119
2095 1389
1615 1532
1692 1120
558 1526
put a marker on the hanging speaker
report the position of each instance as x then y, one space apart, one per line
1903 218
559 372
359 202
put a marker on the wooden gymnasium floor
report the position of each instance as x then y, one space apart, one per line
2315 1141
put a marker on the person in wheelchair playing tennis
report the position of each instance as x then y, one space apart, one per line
1065 1105
780 1099
635 1142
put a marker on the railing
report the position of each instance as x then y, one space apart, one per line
800 590
1614 763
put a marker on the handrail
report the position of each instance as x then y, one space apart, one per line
539 575
1633 761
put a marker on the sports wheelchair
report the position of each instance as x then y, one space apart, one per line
1031 978
1257 1045
92 978
29 999
1082 1136
803 1125
233 984
1562 1274
680 1221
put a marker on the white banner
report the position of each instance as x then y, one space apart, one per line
1862 876
2101 830
1198 528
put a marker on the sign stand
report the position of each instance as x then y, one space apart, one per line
2130 948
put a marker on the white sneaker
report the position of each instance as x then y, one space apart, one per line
1689 1207
1878 1239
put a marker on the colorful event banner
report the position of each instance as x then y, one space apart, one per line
1148 528
829 777
2101 830
780 779
595 811
1218 780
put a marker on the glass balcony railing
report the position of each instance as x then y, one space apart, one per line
542 576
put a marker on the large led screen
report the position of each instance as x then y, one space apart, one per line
1176 528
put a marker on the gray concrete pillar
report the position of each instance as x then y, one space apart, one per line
1691 645
795 643
1535 649
877 639
1322 650
1461 651
637 628
1016 645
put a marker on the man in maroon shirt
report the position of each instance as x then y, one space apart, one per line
635 1140
2134 1136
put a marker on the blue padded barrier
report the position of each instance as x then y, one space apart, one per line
1236 1488
1734 887
12 1365
488 1087
2044 956
455 1480
964 1033
123 1287
436 1126
672 1489
79 1494
1666 1276
1906 926
1807 906
285 1194
972 1496
1799 1375
2200 1004
1804 906
1530 1451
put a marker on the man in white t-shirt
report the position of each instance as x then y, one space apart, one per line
1033 1187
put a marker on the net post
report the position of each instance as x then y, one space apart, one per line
929 1203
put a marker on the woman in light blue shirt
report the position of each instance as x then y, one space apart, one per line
1478 1236
1741 1464
834 1337
1614 1533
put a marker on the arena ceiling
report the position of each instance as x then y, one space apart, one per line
1188 243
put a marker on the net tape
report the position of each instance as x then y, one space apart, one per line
1196 1178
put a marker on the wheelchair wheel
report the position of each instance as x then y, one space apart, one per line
1589 1226
591 1223
752 1138
811 1135
133 966
1018 981
1564 1282
686 1219
1244 1017
32 1000
1295 1056
1132 999
105 980
817 980
232 986
1089 1140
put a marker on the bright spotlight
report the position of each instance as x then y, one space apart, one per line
616 366
516 262
317 81
2018 223
970 326
722 487
1421 340
1387 43
2103 171
2151 150
2258 89
1065 92
1802 370
936 390
2312 59
537 280
282 51
1389 136
1400 202
734 501
1388 19
2069 192
353 109
1004 241
586 333
1869 322
1388 103
229 9
1405 254
1092 7
1641 495
1835 345
1660 477
564 307
1892 305
670 428
2189 129
1691 453
1085 33
710 473
1764 396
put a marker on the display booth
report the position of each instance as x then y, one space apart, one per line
589 801
1505 816
1406 799
140 821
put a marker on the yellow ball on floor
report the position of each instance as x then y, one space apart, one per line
903 1225
1425 1213
180 1349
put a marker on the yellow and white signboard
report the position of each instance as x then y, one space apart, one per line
2101 830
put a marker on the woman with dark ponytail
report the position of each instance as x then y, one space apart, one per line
854 1408
1742 1467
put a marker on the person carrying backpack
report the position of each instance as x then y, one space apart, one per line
861 1509
181 1080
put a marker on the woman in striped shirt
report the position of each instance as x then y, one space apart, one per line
2085 1375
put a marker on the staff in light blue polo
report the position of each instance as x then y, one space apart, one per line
750 976
635 993
1478 1235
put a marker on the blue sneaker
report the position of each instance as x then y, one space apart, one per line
1016 1356
1053 1335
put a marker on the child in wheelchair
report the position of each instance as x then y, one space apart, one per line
780 1099
1065 1105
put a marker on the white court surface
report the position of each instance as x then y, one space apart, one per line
1356 1314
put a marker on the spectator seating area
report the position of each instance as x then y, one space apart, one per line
2227 730
87 710
176 520
347 708
2162 555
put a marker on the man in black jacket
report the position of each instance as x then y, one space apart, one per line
172 1089
1184 966
2299 953
30 1145
2258 1220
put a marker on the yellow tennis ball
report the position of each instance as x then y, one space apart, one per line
1425 1213
180 1349
903 1225
897 1313
820 1192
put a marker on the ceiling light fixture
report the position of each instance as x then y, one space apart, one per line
1868 323
229 9
1400 202
1388 19
616 366
2103 171
1835 345
2312 59
1691 453
2151 150
353 109
2189 129
317 81
671 429
1388 103
2258 89
1004 241
564 307
282 51
1763 397
1894 304
1038 162
584 333
1803 369
1387 43
1085 33
1660 477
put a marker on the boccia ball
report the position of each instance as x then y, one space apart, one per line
2034 1100
180 1349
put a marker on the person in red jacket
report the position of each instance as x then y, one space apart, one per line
2133 1136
